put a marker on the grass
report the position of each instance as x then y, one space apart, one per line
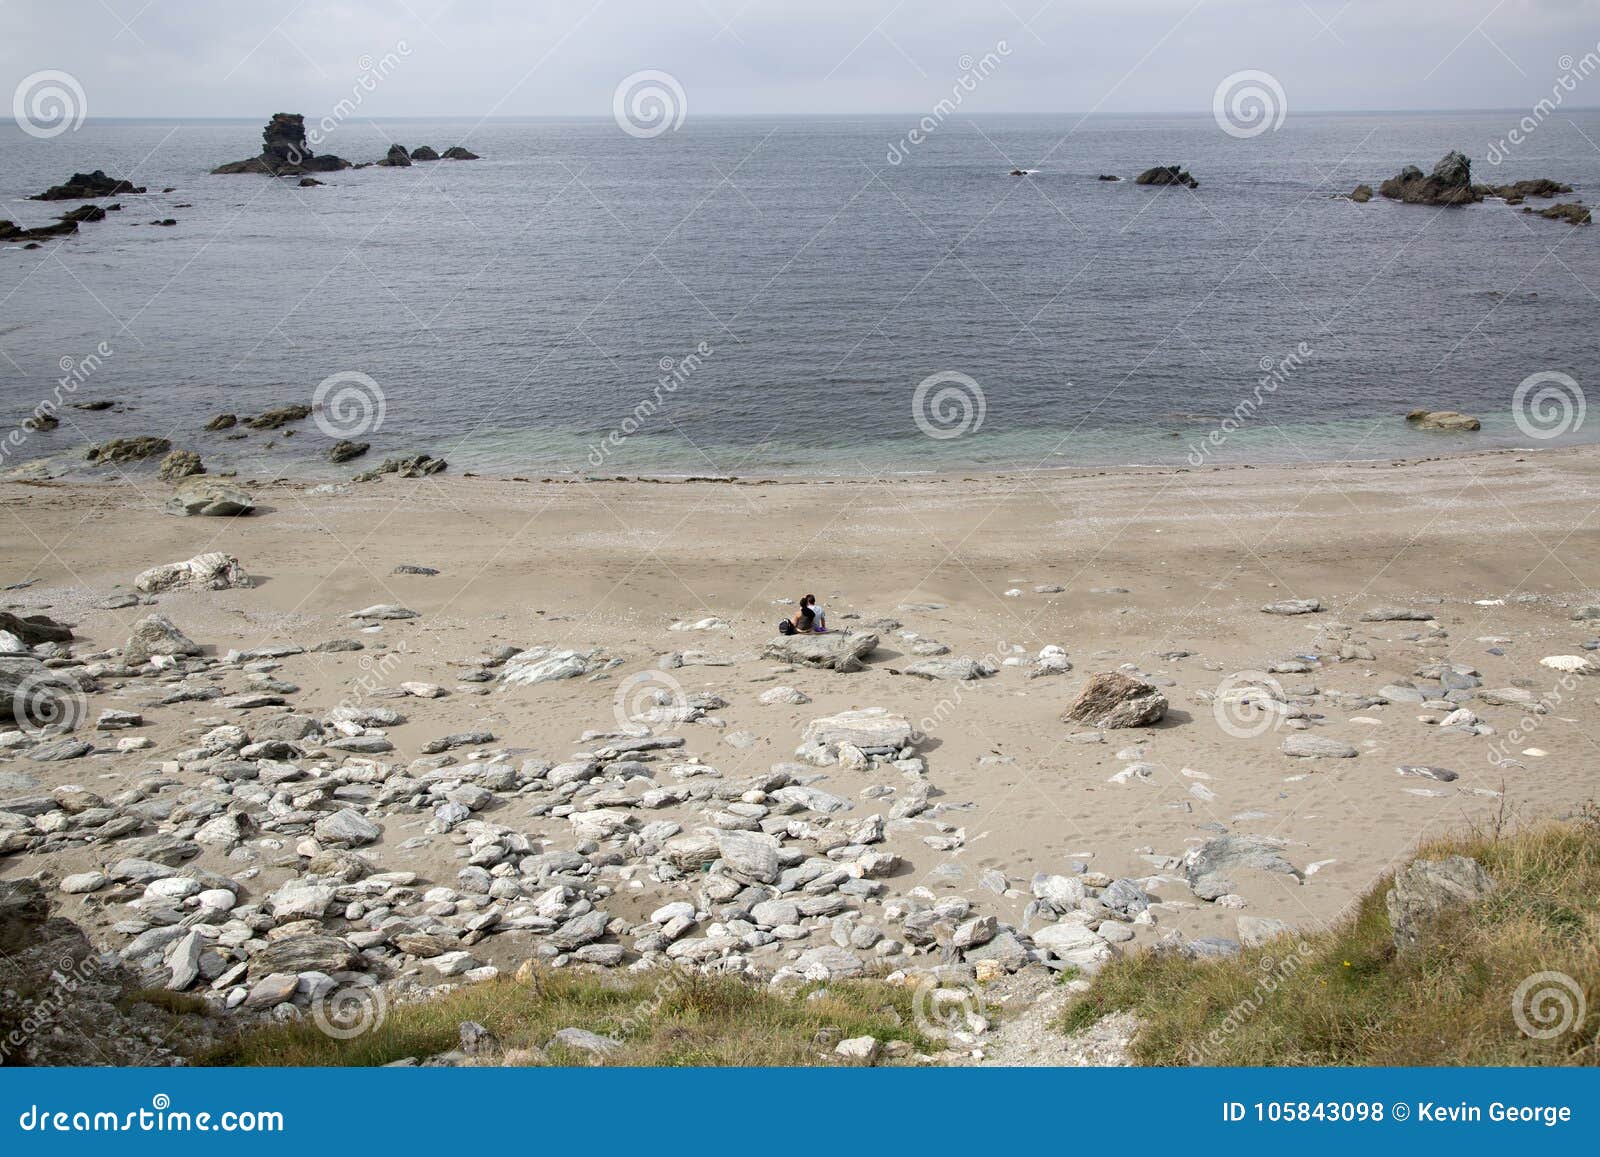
1347 997
662 1019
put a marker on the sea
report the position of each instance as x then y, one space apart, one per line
757 296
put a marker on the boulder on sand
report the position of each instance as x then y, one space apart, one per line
1111 699
156 635
35 629
202 495
872 729
833 651
213 570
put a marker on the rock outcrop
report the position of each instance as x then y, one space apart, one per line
86 186
834 651
284 152
202 495
120 450
1450 183
396 158
1425 889
1571 212
1167 175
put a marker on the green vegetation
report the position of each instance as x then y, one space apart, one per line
660 1018
1347 997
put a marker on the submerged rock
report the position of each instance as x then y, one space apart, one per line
1443 420
1166 175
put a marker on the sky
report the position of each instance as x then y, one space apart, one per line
558 58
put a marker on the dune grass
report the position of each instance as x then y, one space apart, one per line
665 1019
1347 997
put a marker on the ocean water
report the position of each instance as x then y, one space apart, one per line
750 296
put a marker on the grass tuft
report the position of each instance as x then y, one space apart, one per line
1347 997
662 1019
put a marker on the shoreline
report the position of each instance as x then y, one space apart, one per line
144 472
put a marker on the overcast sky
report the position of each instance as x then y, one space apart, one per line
553 57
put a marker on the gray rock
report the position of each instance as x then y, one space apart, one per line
199 495
1420 771
749 856
1303 746
829 963
1111 699
1209 867
156 635
582 1040
384 612
1396 615
297 954
56 750
347 828
1293 607
1425 889
872 729
956 670
834 651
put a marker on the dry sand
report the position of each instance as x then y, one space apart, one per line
1152 562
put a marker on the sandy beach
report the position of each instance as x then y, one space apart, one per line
1160 571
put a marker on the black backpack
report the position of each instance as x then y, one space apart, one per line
786 627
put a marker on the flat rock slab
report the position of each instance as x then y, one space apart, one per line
1293 607
1316 747
873 729
831 652
1396 615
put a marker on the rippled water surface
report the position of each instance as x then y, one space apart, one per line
517 310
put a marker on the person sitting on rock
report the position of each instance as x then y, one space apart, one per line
809 619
